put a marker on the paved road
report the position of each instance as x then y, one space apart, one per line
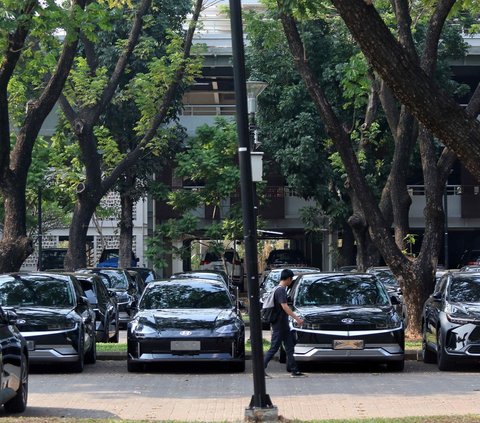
107 390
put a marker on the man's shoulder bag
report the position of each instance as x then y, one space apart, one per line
270 310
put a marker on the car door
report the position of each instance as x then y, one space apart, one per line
432 309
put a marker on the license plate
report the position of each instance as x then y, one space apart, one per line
348 344
31 345
185 345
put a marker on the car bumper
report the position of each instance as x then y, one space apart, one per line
382 353
52 346
205 350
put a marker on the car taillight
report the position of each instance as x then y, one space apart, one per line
203 262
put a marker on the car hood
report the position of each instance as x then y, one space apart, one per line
351 317
42 318
186 320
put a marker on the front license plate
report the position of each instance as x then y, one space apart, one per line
348 344
31 345
185 345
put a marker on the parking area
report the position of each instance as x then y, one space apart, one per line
212 393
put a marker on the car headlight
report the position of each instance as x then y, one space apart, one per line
458 316
143 331
227 329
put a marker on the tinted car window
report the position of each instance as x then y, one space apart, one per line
340 291
42 291
113 279
185 296
89 291
464 290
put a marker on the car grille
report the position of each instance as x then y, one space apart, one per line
342 326
206 346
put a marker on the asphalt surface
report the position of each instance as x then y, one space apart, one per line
212 393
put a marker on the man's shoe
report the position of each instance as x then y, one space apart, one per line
298 374
267 376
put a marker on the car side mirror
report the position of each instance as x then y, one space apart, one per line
394 300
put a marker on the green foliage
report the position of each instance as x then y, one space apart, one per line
208 166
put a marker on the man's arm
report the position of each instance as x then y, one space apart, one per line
289 311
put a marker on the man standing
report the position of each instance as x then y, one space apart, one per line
280 328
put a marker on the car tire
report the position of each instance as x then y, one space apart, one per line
134 367
91 355
18 403
79 365
429 356
239 367
396 366
115 338
443 361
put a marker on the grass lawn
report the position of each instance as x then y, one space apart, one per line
102 347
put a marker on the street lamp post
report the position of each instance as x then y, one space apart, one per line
260 408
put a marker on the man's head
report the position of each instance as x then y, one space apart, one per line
286 275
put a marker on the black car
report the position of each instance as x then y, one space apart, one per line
104 303
285 257
348 317
124 286
451 320
146 273
54 316
14 364
386 276
191 320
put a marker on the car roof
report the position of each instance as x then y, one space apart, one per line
182 281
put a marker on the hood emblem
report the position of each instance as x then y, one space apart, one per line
185 333
348 321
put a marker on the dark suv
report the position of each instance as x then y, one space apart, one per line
285 258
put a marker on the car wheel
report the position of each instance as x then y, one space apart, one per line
134 367
239 367
91 355
18 403
428 355
78 366
443 361
396 366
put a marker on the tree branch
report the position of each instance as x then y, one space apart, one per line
162 111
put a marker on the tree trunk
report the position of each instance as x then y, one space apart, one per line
82 214
126 224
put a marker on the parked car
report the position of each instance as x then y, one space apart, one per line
104 303
14 364
125 288
54 316
229 262
285 258
138 280
451 320
386 276
348 317
190 320
147 274
217 275
52 258
110 256
470 258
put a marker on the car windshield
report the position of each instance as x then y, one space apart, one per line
385 276
36 291
340 290
185 295
465 290
113 279
272 280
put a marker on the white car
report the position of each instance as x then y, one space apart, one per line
229 261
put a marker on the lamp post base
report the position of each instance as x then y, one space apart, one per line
269 413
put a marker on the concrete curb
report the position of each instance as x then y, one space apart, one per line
409 355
